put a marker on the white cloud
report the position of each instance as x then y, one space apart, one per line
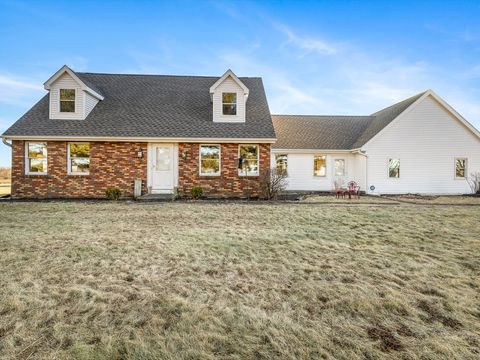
307 44
18 91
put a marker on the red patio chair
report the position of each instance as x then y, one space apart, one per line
353 189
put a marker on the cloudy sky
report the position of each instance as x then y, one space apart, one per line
322 57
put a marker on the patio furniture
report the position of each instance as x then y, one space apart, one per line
353 189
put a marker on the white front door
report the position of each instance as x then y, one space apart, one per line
162 168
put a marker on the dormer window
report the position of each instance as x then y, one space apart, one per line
229 103
67 100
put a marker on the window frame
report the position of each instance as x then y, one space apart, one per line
69 159
27 158
276 162
60 102
225 103
240 171
455 167
344 167
399 168
313 167
200 173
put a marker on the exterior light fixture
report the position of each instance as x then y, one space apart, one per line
139 153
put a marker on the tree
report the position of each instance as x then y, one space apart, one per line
474 182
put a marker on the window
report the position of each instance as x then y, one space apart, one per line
320 165
248 160
209 160
460 168
36 158
67 100
229 103
339 167
394 168
282 163
78 158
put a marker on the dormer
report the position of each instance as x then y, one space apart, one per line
229 97
70 97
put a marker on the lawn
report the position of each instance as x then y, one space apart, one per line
4 189
239 281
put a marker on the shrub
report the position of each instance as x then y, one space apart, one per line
474 182
113 193
272 183
197 192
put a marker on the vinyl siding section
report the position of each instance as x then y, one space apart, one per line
300 170
66 82
228 85
90 103
427 140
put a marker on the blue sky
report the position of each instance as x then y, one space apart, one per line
322 57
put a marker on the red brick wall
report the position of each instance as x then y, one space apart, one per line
228 184
112 164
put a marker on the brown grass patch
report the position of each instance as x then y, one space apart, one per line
238 281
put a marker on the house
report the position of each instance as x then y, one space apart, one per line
97 131
419 145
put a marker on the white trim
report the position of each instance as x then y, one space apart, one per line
65 69
313 166
455 167
258 160
60 102
235 78
69 161
27 159
427 93
219 160
399 168
311 151
140 139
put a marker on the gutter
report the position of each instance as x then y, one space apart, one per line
4 140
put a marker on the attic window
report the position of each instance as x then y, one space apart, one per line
229 103
67 100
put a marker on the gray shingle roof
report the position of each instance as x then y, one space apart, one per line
151 106
334 132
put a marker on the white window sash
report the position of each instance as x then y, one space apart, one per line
69 162
219 160
241 172
28 158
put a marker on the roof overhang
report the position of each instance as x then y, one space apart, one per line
142 139
235 78
311 151
66 69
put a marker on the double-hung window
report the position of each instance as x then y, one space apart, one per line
78 158
248 160
320 165
229 103
209 160
394 168
36 158
67 100
339 167
460 168
281 163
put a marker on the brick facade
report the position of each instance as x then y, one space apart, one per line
116 165
112 164
229 183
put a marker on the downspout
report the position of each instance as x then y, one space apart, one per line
363 153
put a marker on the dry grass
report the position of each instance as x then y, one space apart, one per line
238 281
4 189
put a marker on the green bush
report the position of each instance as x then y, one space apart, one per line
197 192
113 193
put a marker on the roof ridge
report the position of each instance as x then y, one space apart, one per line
161 75
399 102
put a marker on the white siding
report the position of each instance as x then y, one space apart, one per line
426 140
66 82
90 103
300 170
228 85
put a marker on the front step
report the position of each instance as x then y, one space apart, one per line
156 197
